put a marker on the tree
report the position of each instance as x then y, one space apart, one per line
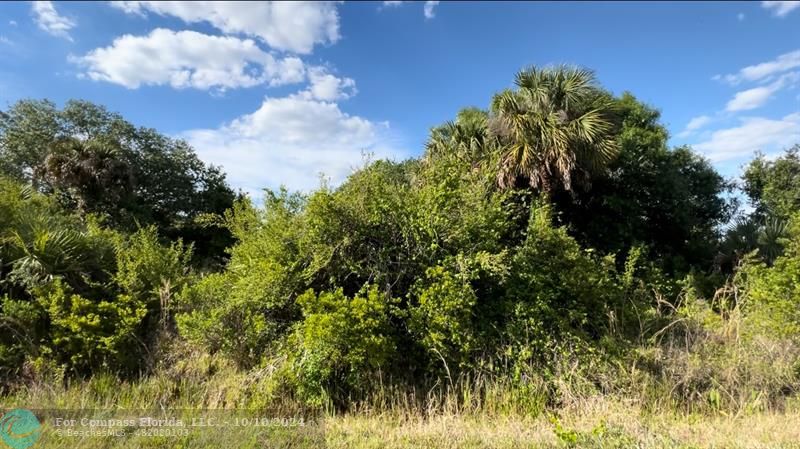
671 201
98 162
555 124
91 174
467 137
774 186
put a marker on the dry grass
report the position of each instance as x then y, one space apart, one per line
623 428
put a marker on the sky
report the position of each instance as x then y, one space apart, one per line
282 93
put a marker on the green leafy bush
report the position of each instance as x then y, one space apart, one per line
556 289
443 318
342 342
87 334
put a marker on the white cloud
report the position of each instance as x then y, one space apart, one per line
740 16
13 23
393 3
749 99
286 26
429 9
764 70
757 96
290 141
327 87
753 134
781 8
188 59
695 124
48 19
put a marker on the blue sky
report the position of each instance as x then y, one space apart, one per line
277 93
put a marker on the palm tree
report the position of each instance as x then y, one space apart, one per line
770 237
467 137
556 123
746 235
92 173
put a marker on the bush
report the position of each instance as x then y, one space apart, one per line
557 289
442 319
232 317
773 293
342 342
248 311
87 335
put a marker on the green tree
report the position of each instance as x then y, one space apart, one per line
555 124
467 137
774 186
89 174
670 200
83 151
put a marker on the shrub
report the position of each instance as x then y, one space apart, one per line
237 317
88 334
342 342
773 293
557 289
442 319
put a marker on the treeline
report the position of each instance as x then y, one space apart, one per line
554 229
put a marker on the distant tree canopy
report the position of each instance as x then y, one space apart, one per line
773 186
94 161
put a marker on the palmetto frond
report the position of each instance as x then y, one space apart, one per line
770 238
468 137
551 126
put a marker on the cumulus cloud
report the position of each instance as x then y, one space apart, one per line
50 21
429 9
393 3
327 87
287 26
185 59
695 124
764 70
758 96
753 134
780 8
290 141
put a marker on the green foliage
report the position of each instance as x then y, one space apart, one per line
670 201
773 293
247 311
149 270
22 326
557 124
342 341
467 138
240 318
557 289
94 161
442 319
774 185
77 294
89 335
423 273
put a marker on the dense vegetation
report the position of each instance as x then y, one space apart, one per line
553 245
